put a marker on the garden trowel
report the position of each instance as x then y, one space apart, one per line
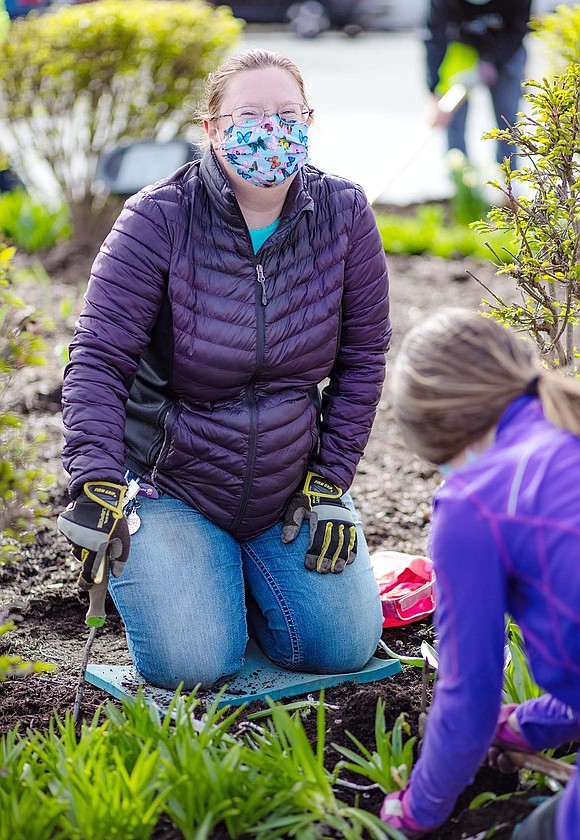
97 590
95 618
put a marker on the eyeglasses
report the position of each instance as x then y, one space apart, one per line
248 115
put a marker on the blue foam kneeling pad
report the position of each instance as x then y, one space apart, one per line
258 679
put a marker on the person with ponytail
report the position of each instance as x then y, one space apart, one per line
471 397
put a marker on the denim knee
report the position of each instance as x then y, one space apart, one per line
330 648
168 665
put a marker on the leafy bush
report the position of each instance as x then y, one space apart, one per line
560 33
78 81
30 225
22 486
428 232
546 223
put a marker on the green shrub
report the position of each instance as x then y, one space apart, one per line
546 220
78 81
22 486
428 232
30 225
560 33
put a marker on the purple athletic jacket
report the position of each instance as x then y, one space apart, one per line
506 538
196 362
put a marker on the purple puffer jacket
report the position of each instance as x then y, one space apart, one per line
196 362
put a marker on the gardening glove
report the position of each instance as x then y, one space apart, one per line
97 529
395 812
506 738
333 538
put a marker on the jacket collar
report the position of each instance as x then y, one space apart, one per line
221 195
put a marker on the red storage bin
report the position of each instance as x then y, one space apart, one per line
406 586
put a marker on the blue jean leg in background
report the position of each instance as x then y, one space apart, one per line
505 96
182 598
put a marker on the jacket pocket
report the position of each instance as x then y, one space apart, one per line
168 426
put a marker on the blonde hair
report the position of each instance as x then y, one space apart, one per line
216 82
458 372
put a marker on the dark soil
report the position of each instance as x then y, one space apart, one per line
393 491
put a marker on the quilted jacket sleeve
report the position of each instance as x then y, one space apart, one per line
123 297
349 401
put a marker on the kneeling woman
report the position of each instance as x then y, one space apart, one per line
471 397
222 298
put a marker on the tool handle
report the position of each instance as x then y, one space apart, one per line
553 767
451 101
97 590
96 614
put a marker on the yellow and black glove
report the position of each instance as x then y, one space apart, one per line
97 529
333 538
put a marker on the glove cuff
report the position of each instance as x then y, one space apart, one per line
107 494
315 486
395 811
410 822
507 737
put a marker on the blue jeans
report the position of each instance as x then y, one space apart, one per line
505 96
190 593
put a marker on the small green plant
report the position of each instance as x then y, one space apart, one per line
14 666
546 223
519 684
467 202
391 764
428 232
30 225
304 798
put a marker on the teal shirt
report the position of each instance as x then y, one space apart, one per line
259 235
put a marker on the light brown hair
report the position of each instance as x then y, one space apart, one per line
458 371
216 81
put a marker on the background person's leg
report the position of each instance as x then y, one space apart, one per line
456 130
307 621
181 597
506 94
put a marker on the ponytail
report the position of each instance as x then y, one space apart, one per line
560 396
456 374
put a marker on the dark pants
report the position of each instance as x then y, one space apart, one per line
541 824
505 96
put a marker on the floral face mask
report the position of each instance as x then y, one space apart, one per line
266 155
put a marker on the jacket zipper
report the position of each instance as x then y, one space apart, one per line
262 282
261 301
